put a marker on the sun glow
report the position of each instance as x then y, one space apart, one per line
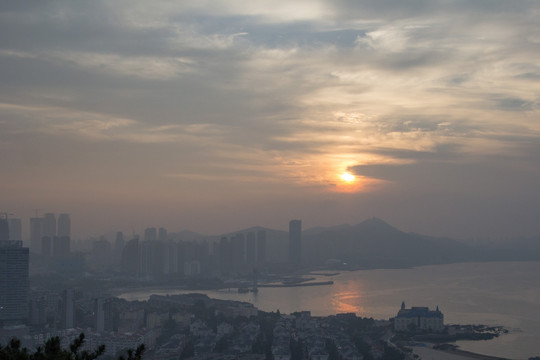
347 177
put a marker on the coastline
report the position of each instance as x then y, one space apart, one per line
368 294
429 353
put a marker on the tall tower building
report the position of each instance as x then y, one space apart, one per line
250 248
14 284
15 229
64 225
4 230
46 246
49 225
130 257
67 309
150 234
118 248
99 312
35 234
238 244
261 247
61 246
119 242
295 242
162 234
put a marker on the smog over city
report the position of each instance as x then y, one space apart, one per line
285 160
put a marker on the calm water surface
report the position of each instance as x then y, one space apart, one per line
496 293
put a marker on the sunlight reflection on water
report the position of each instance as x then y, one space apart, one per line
503 293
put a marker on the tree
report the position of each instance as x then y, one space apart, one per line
188 350
332 350
52 350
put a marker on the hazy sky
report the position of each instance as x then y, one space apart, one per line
218 115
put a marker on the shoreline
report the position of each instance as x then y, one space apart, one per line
314 283
474 355
429 353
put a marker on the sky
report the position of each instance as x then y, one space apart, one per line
215 116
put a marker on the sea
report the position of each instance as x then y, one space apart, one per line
491 293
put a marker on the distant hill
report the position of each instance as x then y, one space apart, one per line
375 243
320 229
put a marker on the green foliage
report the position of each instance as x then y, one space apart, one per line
362 347
391 353
188 350
169 329
332 350
52 350
297 349
263 342
222 345
137 355
13 351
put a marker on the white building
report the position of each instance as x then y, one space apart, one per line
419 318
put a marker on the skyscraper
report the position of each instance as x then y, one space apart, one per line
4 229
46 246
162 234
118 248
261 247
15 229
130 257
295 242
49 225
64 225
67 309
14 284
99 315
250 248
61 246
238 245
150 234
35 234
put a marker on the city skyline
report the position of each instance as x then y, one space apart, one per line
218 116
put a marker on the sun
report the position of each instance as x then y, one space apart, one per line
347 177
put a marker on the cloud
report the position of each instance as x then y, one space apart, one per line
285 94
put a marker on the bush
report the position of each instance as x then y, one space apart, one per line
52 350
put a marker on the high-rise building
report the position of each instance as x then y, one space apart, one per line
101 254
99 312
225 255
238 245
146 258
49 225
46 246
118 248
295 242
67 309
162 234
250 248
119 242
14 284
35 234
64 225
172 258
4 230
61 246
261 247
130 257
150 234
15 229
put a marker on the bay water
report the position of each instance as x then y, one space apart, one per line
492 293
